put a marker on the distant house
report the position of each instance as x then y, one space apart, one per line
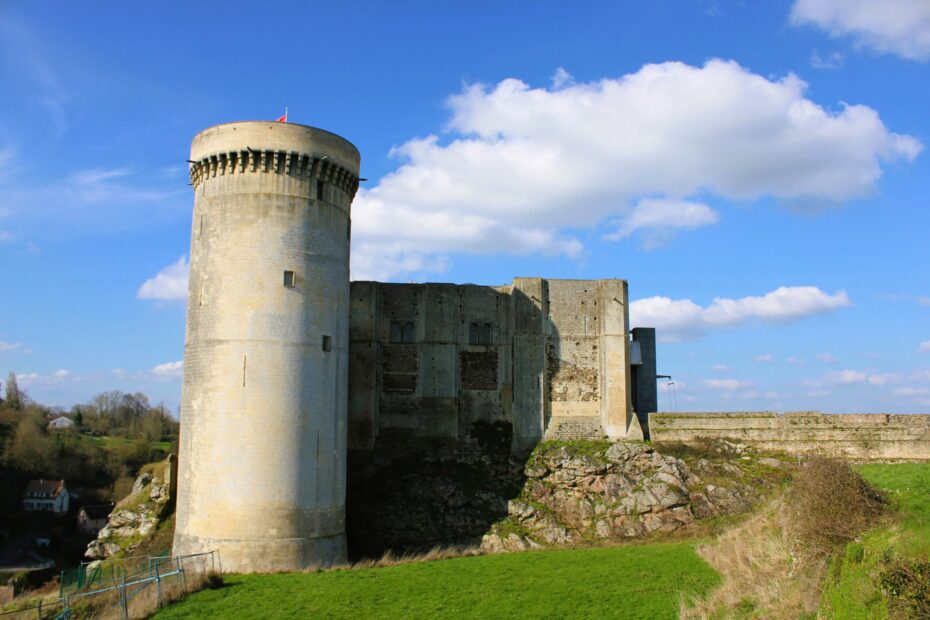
46 495
92 519
60 423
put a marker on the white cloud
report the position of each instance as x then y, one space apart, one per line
923 348
721 368
727 385
561 78
826 358
8 346
683 319
924 301
659 218
845 377
899 27
834 60
855 377
169 284
518 167
62 375
796 360
763 359
168 370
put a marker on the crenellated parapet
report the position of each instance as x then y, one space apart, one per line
253 161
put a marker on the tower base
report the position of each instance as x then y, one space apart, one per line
269 555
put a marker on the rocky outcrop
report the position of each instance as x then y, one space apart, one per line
590 491
136 516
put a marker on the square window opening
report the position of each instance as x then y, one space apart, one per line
320 186
290 279
327 343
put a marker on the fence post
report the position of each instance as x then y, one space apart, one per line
123 600
39 608
158 585
183 574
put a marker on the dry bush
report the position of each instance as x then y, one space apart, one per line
392 559
761 575
833 504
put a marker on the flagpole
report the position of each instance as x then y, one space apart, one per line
285 114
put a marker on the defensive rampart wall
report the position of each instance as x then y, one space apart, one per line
860 437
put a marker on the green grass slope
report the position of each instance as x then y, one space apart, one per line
635 581
852 590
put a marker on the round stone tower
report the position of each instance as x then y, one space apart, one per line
262 461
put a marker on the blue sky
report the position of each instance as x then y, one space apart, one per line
756 171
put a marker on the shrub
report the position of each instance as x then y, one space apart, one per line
214 581
907 584
833 504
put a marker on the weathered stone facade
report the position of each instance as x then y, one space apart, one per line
549 357
860 437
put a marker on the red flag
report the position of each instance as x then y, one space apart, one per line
281 119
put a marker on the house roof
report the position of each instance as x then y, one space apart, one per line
44 489
98 511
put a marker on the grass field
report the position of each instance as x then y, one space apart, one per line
108 443
852 589
634 581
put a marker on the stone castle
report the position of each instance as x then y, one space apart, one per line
289 368
287 365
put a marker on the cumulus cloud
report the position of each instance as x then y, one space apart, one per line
169 284
682 319
168 370
826 358
659 218
8 346
900 27
763 359
923 348
721 368
518 168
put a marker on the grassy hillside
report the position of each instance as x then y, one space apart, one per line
853 588
635 581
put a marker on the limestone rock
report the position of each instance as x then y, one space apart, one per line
134 518
618 491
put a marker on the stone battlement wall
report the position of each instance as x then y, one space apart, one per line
861 437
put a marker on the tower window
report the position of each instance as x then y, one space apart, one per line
320 186
327 343
486 333
402 332
290 279
480 334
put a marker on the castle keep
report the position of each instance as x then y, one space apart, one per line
285 363
553 358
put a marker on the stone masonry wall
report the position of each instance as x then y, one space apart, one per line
860 437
